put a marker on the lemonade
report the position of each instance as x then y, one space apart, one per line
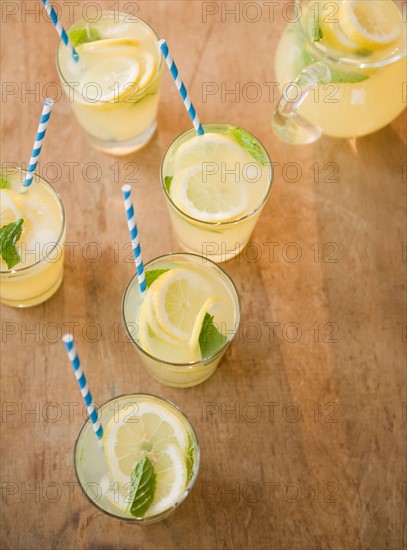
149 461
352 58
186 320
32 233
216 185
114 88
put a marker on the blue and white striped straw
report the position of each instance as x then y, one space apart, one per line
181 87
87 396
131 222
60 29
39 138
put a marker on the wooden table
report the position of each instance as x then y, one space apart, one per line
302 428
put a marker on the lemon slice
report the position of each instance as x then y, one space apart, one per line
155 328
147 70
176 297
208 183
171 470
215 198
145 334
208 148
147 431
147 316
335 38
156 341
196 331
372 24
112 64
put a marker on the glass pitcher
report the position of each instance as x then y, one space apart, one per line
341 68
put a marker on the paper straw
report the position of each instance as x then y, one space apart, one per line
39 138
60 29
181 87
87 396
131 222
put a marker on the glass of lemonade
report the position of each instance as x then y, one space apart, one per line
32 235
216 186
186 320
114 88
149 461
342 69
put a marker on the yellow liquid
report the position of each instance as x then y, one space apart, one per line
39 273
224 240
118 116
348 109
174 365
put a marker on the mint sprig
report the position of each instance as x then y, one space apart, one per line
167 183
190 458
153 274
210 339
9 235
143 484
338 77
84 35
4 183
248 142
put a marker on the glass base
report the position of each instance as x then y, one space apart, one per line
122 148
36 300
224 256
183 380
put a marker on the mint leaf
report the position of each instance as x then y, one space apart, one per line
84 35
210 339
302 60
363 53
9 235
153 274
248 142
316 32
143 484
190 458
4 183
338 77
167 183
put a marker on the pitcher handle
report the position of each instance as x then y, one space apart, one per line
287 123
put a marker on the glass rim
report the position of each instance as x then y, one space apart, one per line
188 488
329 57
60 235
208 359
221 223
136 95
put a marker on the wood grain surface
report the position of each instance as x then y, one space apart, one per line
303 426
